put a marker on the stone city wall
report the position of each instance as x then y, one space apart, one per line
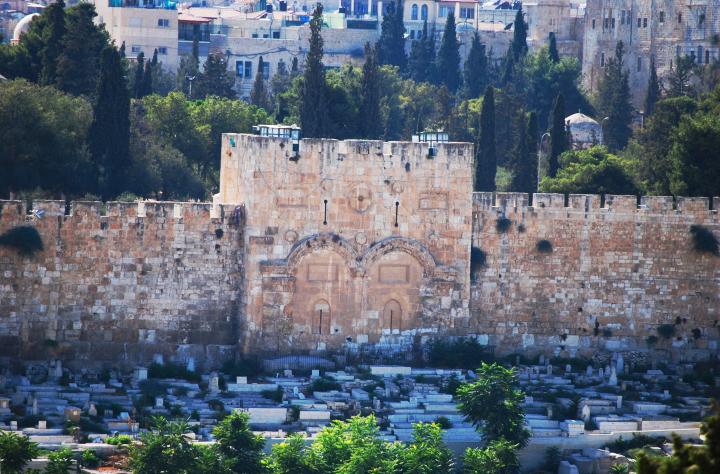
614 275
122 284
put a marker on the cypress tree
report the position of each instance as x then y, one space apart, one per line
391 45
558 136
215 79
653 90
122 50
476 69
448 58
422 56
196 46
508 72
519 42
313 93
614 101
485 159
139 70
147 84
53 34
525 154
82 44
371 121
294 70
154 61
109 133
259 92
552 48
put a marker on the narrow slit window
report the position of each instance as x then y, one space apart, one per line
325 203
397 206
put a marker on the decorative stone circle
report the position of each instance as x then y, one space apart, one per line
360 238
361 199
326 185
397 187
291 236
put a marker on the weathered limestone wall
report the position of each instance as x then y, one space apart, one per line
614 275
352 242
140 279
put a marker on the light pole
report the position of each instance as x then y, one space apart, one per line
602 129
190 79
542 150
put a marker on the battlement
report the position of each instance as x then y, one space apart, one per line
696 207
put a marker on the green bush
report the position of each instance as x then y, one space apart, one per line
119 440
463 353
274 395
15 451
172 371
59 461
443 422
651 340
544 246
503 224
622 445
242 367
324 384
24 239
90 459
478 258
666 330
704 241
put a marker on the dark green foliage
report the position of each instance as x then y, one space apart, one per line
215 80
443 422
553 456
652 95
290 457
476 69
428 453
391 45
448 57
147 79
313 93
680 78
240 449
592 171
495 402
274 395
695 155
696 333
667 331
558 136
165 449
704 241
502 224
139 76
242 367
485 158
259 94
524 158
421 63
498 457
371 95
24 239
461 353
552 47
52 37
172 371
477 259
110 129
59 462
324 384
16 450
651 340
519 43
89 459
544 246
607 332
613 101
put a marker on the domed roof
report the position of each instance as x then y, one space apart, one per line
22 26
579 118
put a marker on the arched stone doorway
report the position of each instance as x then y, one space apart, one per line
392 316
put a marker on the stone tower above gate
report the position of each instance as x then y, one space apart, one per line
350 241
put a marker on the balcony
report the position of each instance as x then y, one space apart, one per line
150 4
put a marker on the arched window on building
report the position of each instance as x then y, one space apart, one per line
423 12
392 316
414 12
321 317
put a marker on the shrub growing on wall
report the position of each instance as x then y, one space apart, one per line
704 240
503 224
24 239
544 246
478 257
666 330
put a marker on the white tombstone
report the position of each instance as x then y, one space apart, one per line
241 380
58 370
601 372
159 402
124 415
141 373
542 360
618 402
42 425
568 368
315 374
550 412
92 411
296 391
191 364
214 385
620 364
13 425
586 413
287 373
613 378
666 395
34 410
301 396
549 369
158 359
589 371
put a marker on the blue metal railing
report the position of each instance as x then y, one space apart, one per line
159 4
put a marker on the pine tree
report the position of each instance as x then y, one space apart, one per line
519 42
485 159
154 61
122 50
109 133
391 45
280 84
552 48
215 79
448 58
613 102
82 44
53 34
147 83
371 120
558 136
524 157
313 105
259 93
476 69
139 71
653 90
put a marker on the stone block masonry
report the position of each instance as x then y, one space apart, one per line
613 276
356 244
120 284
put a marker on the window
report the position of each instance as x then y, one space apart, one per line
602 59
639 22
444 10
321 318
266 69
265 35
644 22
661 17
412 34
163 23
162 50
707 56
414 12
679 17
423 12
135 48
243 68
593 24
622 17
254 35
639 64
276 35
467 13
135 22
612 23
606 23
